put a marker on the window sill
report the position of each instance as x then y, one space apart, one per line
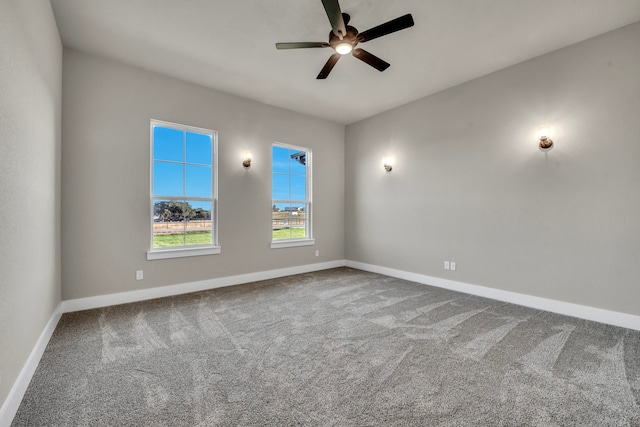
277 244
182 252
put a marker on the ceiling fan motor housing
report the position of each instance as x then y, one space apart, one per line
351 37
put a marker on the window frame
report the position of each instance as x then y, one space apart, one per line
187 250
309 239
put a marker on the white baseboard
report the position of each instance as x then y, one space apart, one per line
574 310
12 402
185 288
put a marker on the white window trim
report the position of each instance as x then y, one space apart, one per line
291 243
183 252
192 250
309 240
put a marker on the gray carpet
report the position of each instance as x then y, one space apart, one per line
340 347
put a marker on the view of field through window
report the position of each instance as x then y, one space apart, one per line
290 207
182 187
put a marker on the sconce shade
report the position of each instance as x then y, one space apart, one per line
546 143
247 160
386 163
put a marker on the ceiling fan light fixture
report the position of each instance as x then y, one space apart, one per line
344 48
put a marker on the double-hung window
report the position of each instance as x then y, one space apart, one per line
183 191
291 196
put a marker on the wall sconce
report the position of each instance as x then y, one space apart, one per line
546 143
247 160
387 164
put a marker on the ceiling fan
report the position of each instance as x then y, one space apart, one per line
344 38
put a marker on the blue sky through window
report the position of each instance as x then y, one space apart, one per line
289 177
168 144
198 148
177 176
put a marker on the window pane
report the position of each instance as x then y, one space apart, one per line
182 186
289 222
289 218
198 181
198 225
199 148
168 144
280 160
298 227
297 163
167 179
298 187
168 224
280 188
280 221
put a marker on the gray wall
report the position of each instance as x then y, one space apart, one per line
470 185
30 85
107 107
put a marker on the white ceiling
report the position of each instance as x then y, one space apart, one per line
229 45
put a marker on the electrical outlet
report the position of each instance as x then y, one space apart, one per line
453 266
446 265
139 275
317 253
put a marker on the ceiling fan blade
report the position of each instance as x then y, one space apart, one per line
370 59
389 27
301 45
324 73
332 7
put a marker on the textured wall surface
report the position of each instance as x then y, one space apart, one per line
470 185
105 225
30 86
